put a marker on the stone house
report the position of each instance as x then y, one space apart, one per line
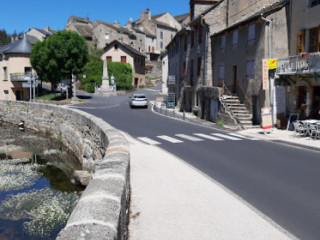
299 71
239 49
159 29
14 67
83 26
234 41
117 51
41 34
190 69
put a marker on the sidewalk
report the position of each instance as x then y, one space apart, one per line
172 200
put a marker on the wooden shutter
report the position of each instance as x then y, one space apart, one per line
109 59
301 42
313 40
123 59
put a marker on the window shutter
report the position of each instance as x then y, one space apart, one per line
301 42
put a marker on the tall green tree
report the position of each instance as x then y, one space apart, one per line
59 57
4 37
69 51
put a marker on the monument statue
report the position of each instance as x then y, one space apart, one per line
105 78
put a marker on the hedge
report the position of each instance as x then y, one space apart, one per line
122 73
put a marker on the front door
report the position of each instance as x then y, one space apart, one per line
234 86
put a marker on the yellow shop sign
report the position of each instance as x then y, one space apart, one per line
272 63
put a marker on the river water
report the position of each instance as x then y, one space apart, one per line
36 195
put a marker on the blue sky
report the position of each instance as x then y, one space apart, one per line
21 15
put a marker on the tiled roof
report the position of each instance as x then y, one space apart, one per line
20 46
84 29
131 49
181 18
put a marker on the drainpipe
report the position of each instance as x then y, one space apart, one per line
269 23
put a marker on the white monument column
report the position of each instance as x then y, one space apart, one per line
105 78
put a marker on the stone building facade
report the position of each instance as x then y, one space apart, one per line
117 51
235 40
148 34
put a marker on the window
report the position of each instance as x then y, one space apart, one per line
250 68
223 42
27 70
109 59
252 33
123 59
235 36
300 42
314 40
161 35
200 35
149 49
171 36
161 45
5 74
192 38
106 36
152 49
221 71
199 67
313 3
116 46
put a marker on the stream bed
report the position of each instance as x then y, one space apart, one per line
36 194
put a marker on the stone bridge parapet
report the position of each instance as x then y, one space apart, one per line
102 211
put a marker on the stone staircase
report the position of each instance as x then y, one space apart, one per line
237 111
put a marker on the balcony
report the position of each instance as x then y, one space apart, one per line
19 77
305 63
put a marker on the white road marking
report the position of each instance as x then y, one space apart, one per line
241 136
225 136
208 137
190 138
148 140
169 139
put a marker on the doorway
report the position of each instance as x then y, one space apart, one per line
234 73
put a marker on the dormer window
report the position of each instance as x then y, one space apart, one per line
116 46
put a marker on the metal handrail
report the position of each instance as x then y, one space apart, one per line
224 87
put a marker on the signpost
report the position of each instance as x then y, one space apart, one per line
171 100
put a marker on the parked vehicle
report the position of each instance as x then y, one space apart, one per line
138 100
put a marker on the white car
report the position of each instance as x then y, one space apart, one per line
138 100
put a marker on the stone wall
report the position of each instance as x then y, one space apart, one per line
102 212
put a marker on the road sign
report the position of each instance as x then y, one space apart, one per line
171 100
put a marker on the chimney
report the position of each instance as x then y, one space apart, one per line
148 14
117 24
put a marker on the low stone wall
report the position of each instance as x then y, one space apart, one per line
102 212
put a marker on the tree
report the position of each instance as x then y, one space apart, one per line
4 37
60 56
93 71
46 67
69 51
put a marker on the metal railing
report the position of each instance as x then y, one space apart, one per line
18 77
305 63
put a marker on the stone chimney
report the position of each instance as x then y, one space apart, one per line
116 23
146 15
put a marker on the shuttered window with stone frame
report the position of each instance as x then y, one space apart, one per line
301 42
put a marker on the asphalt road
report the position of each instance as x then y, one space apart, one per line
280 181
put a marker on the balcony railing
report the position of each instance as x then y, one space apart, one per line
303 64
18 77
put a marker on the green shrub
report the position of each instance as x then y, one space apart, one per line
93 74
122 73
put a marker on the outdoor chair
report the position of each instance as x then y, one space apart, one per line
300 129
